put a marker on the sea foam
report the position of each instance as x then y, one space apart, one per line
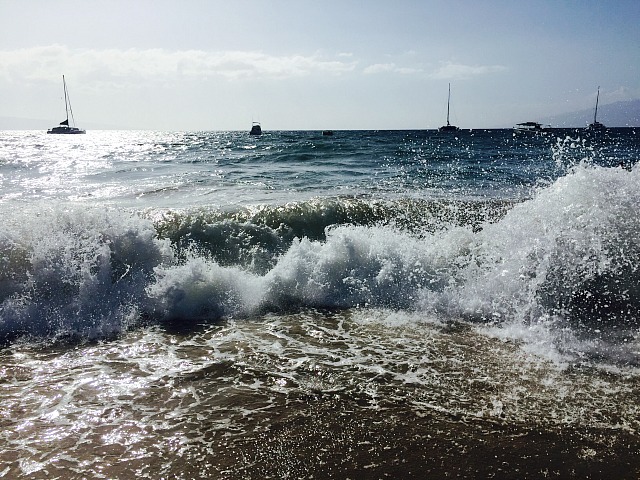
566 258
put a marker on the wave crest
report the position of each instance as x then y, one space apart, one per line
565 259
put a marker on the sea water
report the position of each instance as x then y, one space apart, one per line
372 304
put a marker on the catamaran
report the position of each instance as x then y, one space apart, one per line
448 127
64 126
596 126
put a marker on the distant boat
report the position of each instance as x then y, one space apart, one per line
64 127
255 129
448 127
327 133
534 127
596 126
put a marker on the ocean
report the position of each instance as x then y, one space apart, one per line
371 304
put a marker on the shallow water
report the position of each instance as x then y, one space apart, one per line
332 394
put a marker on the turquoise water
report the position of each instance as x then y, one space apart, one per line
211 304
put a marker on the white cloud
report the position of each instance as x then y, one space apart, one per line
379 68
389 68
456 71
121 66
48 62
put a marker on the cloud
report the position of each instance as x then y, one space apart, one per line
456 71
47 62
379 68
389 68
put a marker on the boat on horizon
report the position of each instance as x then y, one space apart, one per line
448 127
64 127
255 129
596 125
534 127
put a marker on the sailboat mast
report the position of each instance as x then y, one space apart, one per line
66 102
595 114
448 101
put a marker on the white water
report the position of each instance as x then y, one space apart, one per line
83 271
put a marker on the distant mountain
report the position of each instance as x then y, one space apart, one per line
619 114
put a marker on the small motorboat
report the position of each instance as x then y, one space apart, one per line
255 129
534 127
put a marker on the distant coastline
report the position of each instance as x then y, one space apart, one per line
618 114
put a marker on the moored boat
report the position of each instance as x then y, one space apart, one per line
534 127
64 127
255 129
596 125
448 127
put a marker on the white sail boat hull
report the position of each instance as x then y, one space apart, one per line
63 129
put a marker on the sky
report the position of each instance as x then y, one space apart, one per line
303 65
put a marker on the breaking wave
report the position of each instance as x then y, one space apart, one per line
564 262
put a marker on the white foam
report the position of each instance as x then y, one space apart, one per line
202 289
75 270
93 271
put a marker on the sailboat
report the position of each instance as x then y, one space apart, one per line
448 127
596 126
64 126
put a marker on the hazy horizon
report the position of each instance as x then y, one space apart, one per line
211 65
